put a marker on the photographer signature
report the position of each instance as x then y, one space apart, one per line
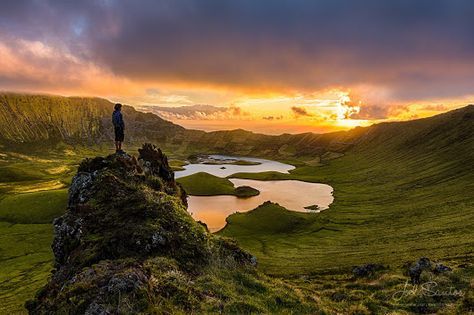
429 288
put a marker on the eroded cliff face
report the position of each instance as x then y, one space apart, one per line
127 244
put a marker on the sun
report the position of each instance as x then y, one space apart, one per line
345 109
352 123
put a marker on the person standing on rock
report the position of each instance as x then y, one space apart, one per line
119 127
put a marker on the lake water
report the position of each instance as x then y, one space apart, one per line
291 194
217 170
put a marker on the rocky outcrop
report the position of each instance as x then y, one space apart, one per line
424 264
127 244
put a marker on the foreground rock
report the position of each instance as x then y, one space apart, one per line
128 245
424 264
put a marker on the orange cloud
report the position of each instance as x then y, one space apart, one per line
300 111
37 66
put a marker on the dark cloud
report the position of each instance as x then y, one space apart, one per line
270 118
417 48
370 112
300 111
359 110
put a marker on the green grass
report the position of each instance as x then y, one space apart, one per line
17 173
390 207
26 232
36 207
246 191
281 221
25 263
177 165
399 194
204 184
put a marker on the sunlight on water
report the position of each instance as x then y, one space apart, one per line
223 170
292 194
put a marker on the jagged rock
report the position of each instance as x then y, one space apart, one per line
79 191
67 233
424 264
416 269
154 162
127 244
96 309
367 270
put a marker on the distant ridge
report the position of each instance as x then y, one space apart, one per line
26 119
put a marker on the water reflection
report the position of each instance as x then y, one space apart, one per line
224 170
291 194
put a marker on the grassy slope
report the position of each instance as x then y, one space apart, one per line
402 193
25 263
384 210
25 219
204 184
33 208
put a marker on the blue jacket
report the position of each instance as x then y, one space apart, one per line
117 119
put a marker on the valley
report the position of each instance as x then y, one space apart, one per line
401 192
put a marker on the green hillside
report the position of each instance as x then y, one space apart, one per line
403 191
30 120
33 122
204 184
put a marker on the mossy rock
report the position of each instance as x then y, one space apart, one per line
127 244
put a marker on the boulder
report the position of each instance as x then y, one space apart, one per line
415 270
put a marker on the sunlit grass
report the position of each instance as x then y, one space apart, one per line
36 207
204 184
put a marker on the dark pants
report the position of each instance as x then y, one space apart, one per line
119 134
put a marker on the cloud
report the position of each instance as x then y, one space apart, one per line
237 111
369 112
415 49
357 109
195 112
270 118
435 108
300 111
33 64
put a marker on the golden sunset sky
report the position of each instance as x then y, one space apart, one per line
267 66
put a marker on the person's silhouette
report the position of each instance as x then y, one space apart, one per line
119 127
